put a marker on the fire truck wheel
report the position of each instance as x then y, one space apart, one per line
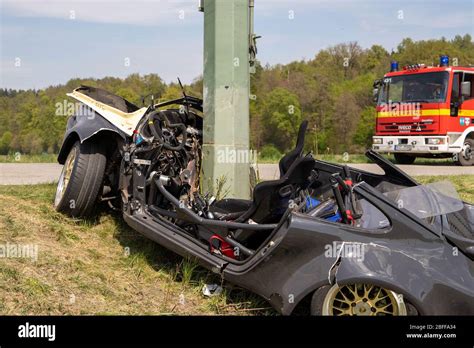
402 158
466 156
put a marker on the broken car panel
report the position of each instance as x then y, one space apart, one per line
353 242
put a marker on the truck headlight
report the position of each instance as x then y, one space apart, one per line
377 140
434 141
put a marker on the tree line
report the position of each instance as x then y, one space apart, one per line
333 91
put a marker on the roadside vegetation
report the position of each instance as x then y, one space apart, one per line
332 90
355 158
464 184
19 158
264 157
100 266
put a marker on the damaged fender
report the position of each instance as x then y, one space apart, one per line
81 128
415 274
102 112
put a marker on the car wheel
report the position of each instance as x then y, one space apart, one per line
81 179
402 158
466 156
357 299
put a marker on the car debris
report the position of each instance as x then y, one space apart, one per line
353 242
211 290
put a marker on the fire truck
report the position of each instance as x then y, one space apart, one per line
426 111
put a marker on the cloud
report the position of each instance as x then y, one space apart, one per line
99 59
138 12
143 12
452 20
106 31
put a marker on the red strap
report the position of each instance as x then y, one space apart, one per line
349 216
224 247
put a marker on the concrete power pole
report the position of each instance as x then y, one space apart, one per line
226 96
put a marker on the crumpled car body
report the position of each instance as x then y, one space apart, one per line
282 244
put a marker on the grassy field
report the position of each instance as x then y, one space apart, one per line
20 158
463 183
361 158
101 266
342 158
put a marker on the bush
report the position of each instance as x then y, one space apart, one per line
5 141
365 128
270 153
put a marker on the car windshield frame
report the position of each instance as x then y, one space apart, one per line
429 87
429 202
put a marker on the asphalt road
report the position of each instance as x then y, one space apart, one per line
38 173
29 173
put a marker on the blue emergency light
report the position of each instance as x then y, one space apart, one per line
393 66
444 60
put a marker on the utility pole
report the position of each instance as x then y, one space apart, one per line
227 26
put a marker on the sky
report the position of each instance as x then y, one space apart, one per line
48 42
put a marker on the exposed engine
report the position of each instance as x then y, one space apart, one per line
166 145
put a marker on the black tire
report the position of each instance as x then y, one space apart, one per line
77 195
317 300
402 158
466 158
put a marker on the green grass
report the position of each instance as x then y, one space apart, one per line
339 158
343 158
361 158
21 158
464 184
99 266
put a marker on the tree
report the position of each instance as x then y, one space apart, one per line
130 95
333 92
172 92
282 116
5 141
365 128
348 114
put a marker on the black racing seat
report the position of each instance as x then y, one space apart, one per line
290 157
271 198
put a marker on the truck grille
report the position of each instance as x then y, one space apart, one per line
406 127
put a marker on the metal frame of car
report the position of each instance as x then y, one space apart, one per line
408 257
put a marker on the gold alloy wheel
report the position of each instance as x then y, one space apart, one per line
65 176
362 299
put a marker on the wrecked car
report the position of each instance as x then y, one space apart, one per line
335 239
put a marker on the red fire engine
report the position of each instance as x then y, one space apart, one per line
425 111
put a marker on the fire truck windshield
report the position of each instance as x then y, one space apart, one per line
421 88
